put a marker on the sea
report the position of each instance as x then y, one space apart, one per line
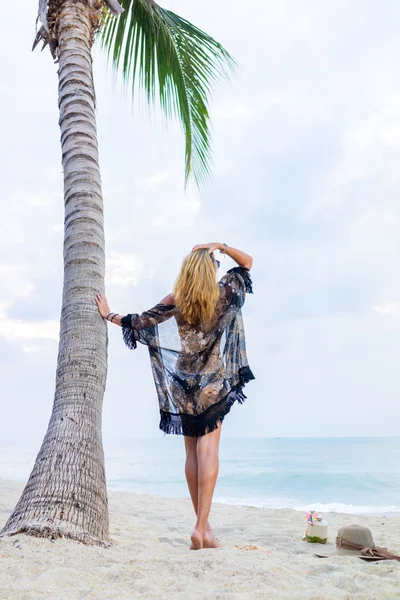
351 475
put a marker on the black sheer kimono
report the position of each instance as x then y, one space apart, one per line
199 371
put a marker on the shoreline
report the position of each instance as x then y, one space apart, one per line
262 555
19 483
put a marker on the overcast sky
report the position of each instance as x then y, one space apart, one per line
306 179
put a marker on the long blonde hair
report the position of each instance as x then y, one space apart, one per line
196 290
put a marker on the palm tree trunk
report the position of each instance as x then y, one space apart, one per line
66 491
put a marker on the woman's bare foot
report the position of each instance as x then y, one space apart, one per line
210 541
197 540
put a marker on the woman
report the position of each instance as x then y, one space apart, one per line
196 341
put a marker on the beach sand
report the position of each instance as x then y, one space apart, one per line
150 557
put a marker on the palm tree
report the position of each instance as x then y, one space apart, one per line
176 62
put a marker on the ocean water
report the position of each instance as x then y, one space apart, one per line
353 475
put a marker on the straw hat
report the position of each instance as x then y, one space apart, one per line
356 540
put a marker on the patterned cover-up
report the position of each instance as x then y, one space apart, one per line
199 370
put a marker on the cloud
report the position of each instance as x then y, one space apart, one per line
124 269
18 330
389 309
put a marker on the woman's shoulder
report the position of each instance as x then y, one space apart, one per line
168 300
238 276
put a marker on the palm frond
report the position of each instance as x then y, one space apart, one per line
174 61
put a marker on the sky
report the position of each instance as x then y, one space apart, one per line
306 149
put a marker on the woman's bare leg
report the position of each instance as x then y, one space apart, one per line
207 472
191 469
191 472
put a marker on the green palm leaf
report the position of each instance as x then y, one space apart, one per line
174 61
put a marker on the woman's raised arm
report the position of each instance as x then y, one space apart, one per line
241 258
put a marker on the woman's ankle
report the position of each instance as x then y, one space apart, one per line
201 528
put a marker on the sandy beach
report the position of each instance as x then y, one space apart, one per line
262 555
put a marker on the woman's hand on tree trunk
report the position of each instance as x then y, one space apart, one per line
102 305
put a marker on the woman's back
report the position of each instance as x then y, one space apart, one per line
199 368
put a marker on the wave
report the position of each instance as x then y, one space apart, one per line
338 507
351 509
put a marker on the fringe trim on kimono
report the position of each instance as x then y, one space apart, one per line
206 422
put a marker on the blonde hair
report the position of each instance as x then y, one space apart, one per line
196 290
